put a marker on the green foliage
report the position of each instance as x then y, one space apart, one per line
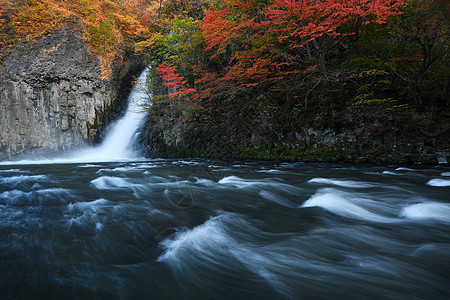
102 36
86 9
182 46
359 63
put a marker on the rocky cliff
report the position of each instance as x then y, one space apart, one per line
53 97
169 136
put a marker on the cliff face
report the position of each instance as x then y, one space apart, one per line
168 136
52 96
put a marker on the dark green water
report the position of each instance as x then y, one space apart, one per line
196 229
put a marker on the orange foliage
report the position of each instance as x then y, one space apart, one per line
107 24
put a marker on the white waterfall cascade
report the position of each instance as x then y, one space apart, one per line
120 139
121 136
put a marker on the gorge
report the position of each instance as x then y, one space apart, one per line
298 164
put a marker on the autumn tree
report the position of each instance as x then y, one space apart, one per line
260 67
107 25
177 85
278 40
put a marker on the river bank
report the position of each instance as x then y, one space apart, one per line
170 134
386 154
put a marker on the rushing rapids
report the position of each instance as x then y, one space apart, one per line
173 229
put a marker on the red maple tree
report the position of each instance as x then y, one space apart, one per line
254 31
177 84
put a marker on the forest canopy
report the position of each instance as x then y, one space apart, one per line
246 68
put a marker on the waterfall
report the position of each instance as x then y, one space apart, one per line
120 140
121 137
119 143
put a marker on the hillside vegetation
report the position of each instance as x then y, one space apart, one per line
274 79
268 79
108 26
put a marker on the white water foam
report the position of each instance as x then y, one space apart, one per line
237 181
118 144
272 171
215 243
241 183
109 182
199 239
346 205
15 180
276 199
227 243
118 183
14 171
391 173
445 174
89 166
187 163
439 182
427 210
342 183
120 170
405 169
48 197
92 205
87 215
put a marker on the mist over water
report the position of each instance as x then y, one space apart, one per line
197 229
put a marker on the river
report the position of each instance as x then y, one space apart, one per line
105 223
197 229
